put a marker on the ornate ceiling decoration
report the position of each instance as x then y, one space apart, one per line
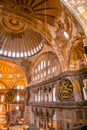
23 26
11 75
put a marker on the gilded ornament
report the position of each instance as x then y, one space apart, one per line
10 95
65 89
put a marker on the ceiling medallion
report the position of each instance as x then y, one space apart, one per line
65 89
13 25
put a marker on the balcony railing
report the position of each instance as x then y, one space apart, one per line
57 104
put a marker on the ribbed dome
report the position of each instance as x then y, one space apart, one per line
18 39
23 26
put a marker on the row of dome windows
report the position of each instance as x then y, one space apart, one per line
10 76
21 54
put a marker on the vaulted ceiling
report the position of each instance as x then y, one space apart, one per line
29 26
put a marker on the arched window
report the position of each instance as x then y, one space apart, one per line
46 66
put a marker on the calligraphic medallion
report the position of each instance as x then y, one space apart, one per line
65 89
10 95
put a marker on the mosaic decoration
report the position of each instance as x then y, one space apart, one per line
65 89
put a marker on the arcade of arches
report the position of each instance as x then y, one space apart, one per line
43 64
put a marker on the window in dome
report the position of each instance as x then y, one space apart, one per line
32 52
25 54
29 53
1 51
37 49
22 87
10 76
13 54
9 53
21 54
39 46
5 52
17 54
18 87
18 75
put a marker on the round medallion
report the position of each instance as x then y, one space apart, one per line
65 89
13 25
10 95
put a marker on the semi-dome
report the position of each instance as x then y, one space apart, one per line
11 75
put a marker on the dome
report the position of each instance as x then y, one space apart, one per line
23 26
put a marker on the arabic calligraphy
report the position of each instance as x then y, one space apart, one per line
65 89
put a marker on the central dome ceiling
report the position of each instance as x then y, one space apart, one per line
18 39
23 28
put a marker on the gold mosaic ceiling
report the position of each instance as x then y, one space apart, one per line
11 75
23 28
